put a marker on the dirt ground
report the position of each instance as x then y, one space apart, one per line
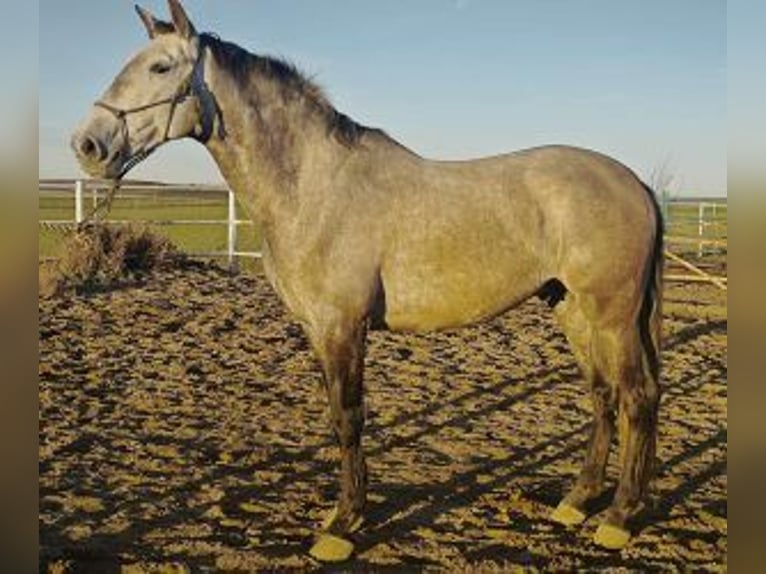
182 429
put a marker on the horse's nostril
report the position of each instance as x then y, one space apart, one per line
87 147
90 148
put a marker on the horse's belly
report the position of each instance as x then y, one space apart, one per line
428 298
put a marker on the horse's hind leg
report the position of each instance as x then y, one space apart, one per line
582 335
638 398
607 343
339 346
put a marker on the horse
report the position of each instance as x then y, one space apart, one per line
361 233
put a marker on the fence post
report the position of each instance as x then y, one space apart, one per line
232 239
78 212
700 229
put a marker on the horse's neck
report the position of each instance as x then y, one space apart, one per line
264 148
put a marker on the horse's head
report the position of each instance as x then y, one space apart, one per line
158 96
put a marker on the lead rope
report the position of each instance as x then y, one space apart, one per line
101 209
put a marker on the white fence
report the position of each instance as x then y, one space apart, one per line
97 190
701 222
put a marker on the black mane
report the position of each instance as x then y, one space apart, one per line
244 66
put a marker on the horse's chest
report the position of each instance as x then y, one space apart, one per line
272 271
288 283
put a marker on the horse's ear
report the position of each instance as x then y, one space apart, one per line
181 21
153 26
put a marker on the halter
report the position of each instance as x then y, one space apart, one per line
185 90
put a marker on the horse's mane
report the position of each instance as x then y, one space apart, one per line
244 67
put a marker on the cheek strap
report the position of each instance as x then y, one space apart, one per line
207 106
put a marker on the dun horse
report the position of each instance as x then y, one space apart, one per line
361 233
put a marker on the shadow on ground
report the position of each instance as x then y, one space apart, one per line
181 424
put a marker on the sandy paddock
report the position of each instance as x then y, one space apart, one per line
181 425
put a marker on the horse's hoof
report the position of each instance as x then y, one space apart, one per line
355 525
611 537
329 548
568 515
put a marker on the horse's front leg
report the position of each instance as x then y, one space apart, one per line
340 349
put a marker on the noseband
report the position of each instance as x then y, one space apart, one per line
184 91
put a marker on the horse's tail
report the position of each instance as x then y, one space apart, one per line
650 316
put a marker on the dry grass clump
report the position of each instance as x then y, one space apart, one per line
99 257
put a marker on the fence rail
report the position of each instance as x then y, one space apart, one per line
81 189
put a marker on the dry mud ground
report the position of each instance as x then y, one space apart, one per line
181 429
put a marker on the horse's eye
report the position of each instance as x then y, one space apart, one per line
159 68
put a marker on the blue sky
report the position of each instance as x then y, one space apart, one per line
644 81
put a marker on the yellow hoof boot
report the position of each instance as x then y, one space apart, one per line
611 537
568 515
327 522
329 548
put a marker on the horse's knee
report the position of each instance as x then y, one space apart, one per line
348 425
602 397
639 404
341 354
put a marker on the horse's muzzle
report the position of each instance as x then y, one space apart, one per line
97 156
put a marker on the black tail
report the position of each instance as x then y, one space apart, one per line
650 316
